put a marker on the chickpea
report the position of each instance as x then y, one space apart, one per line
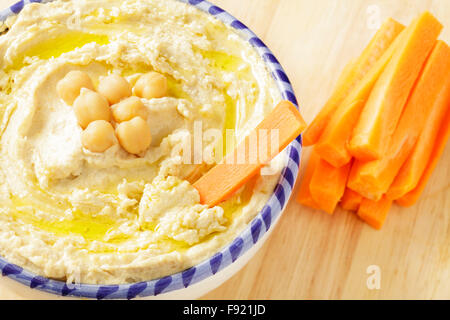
134 135
91 106
128 109
114 88
151 85
69 87
98 136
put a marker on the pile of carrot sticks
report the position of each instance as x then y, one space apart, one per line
381 133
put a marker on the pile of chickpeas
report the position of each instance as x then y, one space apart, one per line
110 113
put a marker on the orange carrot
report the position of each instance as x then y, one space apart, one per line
240 166
328 185
438 148
304 195
384 107
374 212
332 145
350 200
411 172
351 75
431 92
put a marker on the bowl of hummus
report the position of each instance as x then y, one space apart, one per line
109 111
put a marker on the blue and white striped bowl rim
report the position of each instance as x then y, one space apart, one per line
229 254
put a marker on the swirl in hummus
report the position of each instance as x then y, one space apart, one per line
114 217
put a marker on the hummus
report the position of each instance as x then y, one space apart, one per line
113 217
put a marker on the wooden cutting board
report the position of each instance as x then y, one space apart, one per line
310 254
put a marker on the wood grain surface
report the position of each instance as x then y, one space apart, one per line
310 254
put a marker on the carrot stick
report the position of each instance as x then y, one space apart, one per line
438 148
431 92
328 185
240 166
411 172
351 75
374 212
384 107
304 195
332 145
350 200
